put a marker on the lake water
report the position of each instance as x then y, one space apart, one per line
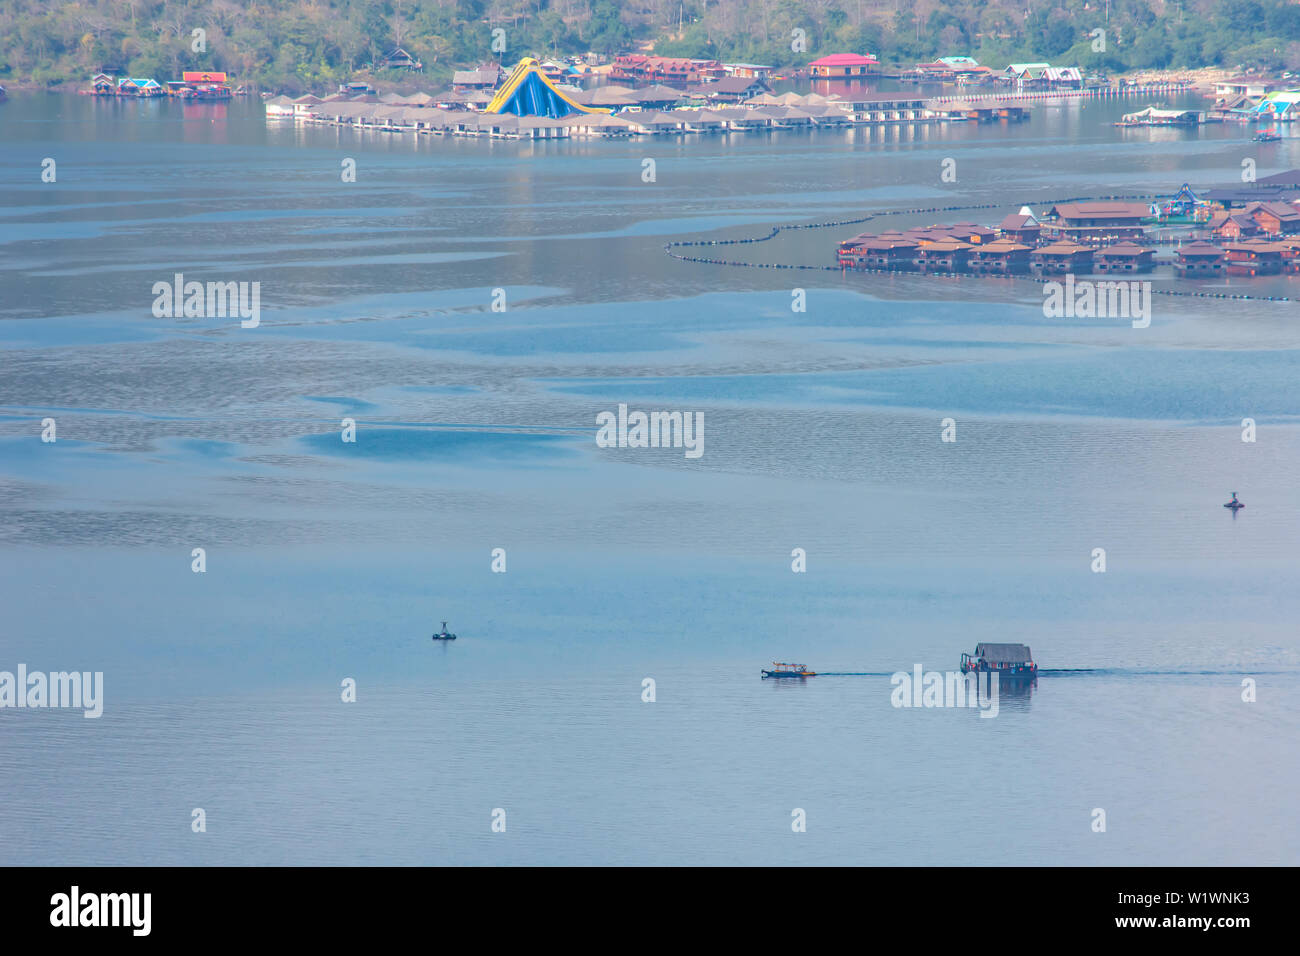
476 430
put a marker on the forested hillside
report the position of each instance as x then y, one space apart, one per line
300 44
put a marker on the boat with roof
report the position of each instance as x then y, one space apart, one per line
445 635
1005 660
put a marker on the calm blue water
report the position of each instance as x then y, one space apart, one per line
476 429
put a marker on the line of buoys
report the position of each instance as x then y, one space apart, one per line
1039 95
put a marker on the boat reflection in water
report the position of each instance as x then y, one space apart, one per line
1012 663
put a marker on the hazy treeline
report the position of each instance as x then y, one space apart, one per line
298 44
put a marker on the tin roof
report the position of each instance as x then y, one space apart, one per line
1004 653
845 59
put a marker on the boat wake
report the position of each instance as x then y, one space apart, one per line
1091 671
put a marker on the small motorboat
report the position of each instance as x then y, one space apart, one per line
1234 504
444 635
1267 136
782 669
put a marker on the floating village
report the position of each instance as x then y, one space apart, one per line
639 94
1248 230
193 85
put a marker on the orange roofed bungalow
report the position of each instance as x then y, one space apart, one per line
1125 257
877 252
1199 259
1254 258
1000 257
945 255
1290 253
1061 258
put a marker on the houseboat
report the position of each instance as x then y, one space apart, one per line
1151 116
782 669
444 634
1006 660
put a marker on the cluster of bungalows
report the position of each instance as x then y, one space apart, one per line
1252 257
1253 230
670 70
1256 99
954 69
1071 238
194 84
1079 238
437 118
1041 77
650 110
1257 219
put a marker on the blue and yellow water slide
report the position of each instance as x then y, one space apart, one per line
527 92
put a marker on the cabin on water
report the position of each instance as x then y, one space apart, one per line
1007 660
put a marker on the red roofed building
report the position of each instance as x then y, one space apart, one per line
843 66
205 85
